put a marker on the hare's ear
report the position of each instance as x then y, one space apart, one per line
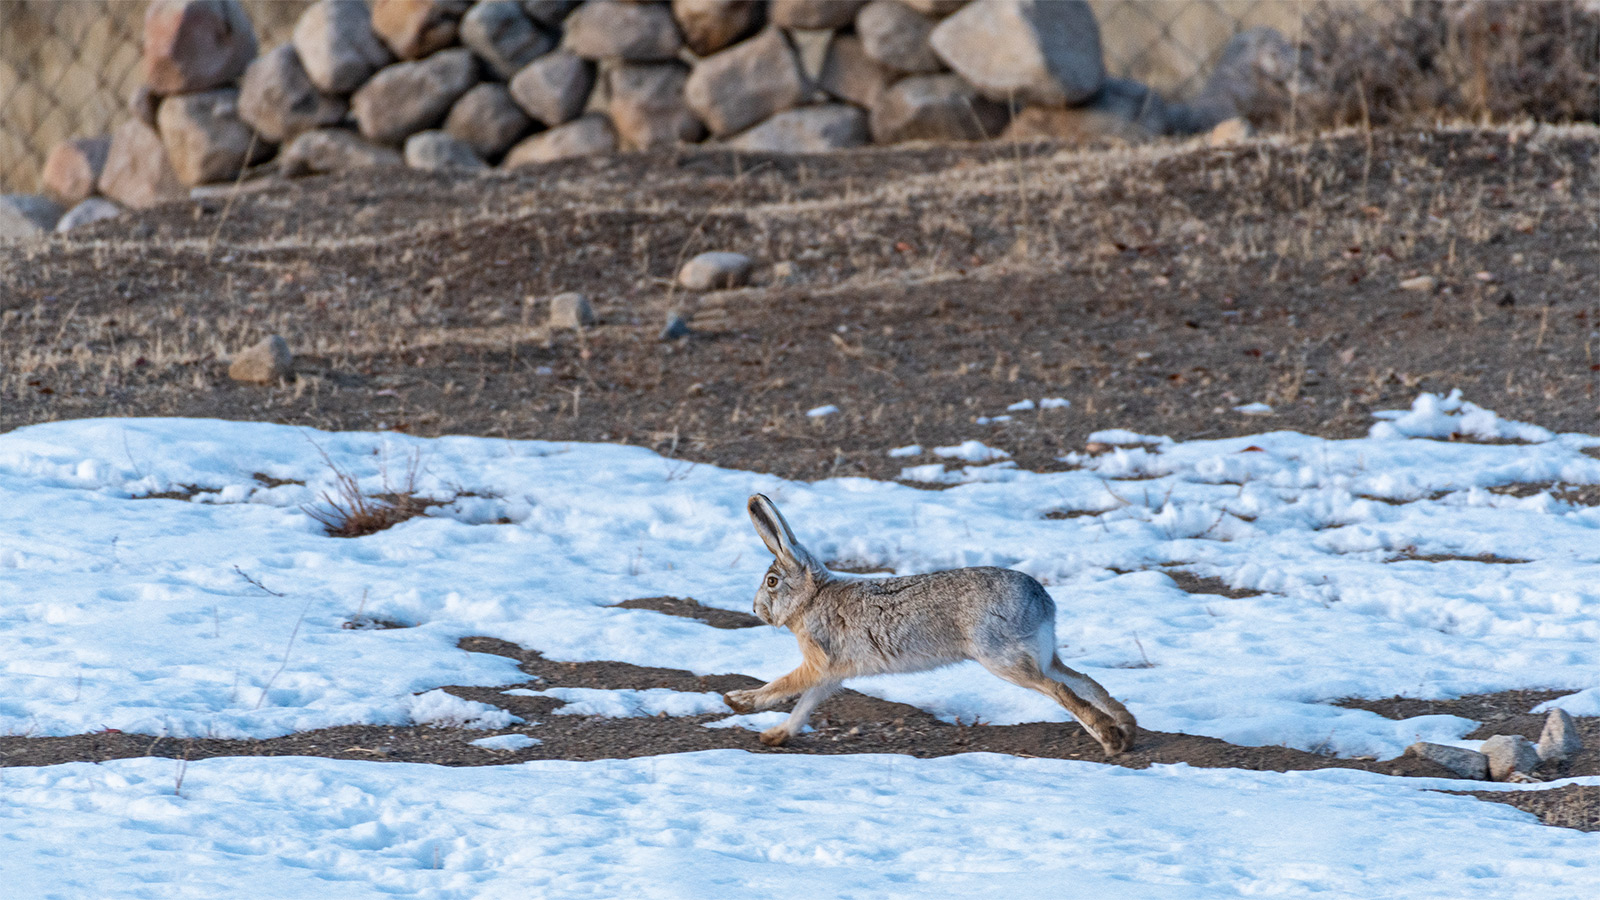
776 534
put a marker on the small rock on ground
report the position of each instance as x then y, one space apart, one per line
1422 284
584 136
264 363
1509 754
1463 762
715 270
571 310
1560 738
676 327
94 209
27 215
439 151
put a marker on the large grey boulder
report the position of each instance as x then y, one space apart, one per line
409 97
337 46
1508 755
503 36
748 82
813 14
895 35
488 120
94 209
73 167
849 74
1041 52
588 135
333 150
205 139
711 25
413 29
1560 739
555 87
934 108
635 32
279 101
809 129
27 215
1463 762
138 173
647 106
195 45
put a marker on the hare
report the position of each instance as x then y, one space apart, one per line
850 626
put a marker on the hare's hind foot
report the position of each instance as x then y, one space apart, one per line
1118 740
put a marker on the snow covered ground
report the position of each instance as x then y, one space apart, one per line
1387 566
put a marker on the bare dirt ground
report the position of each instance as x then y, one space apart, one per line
920 289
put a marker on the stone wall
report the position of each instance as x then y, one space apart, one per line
66 68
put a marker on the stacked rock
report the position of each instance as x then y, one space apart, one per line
452 84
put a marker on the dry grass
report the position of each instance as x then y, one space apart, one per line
1493 61
346 511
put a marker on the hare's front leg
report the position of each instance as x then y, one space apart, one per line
773 692
778 735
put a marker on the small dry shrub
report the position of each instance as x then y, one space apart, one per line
1495 60
347 512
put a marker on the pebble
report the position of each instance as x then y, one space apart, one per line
571 310
675 328
711 271
263 363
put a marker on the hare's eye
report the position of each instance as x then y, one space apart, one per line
772 581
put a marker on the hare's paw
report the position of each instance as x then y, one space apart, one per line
741 701
776 736
1118 739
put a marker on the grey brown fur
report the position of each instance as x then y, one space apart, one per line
849 627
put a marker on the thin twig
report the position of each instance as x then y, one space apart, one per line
286 650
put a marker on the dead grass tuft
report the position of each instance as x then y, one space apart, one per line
346 512
1493 61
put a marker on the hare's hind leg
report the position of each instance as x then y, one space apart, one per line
1091 690
1029 674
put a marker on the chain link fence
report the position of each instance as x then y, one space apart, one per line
67 68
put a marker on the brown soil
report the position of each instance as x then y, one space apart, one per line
849 722
927 287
